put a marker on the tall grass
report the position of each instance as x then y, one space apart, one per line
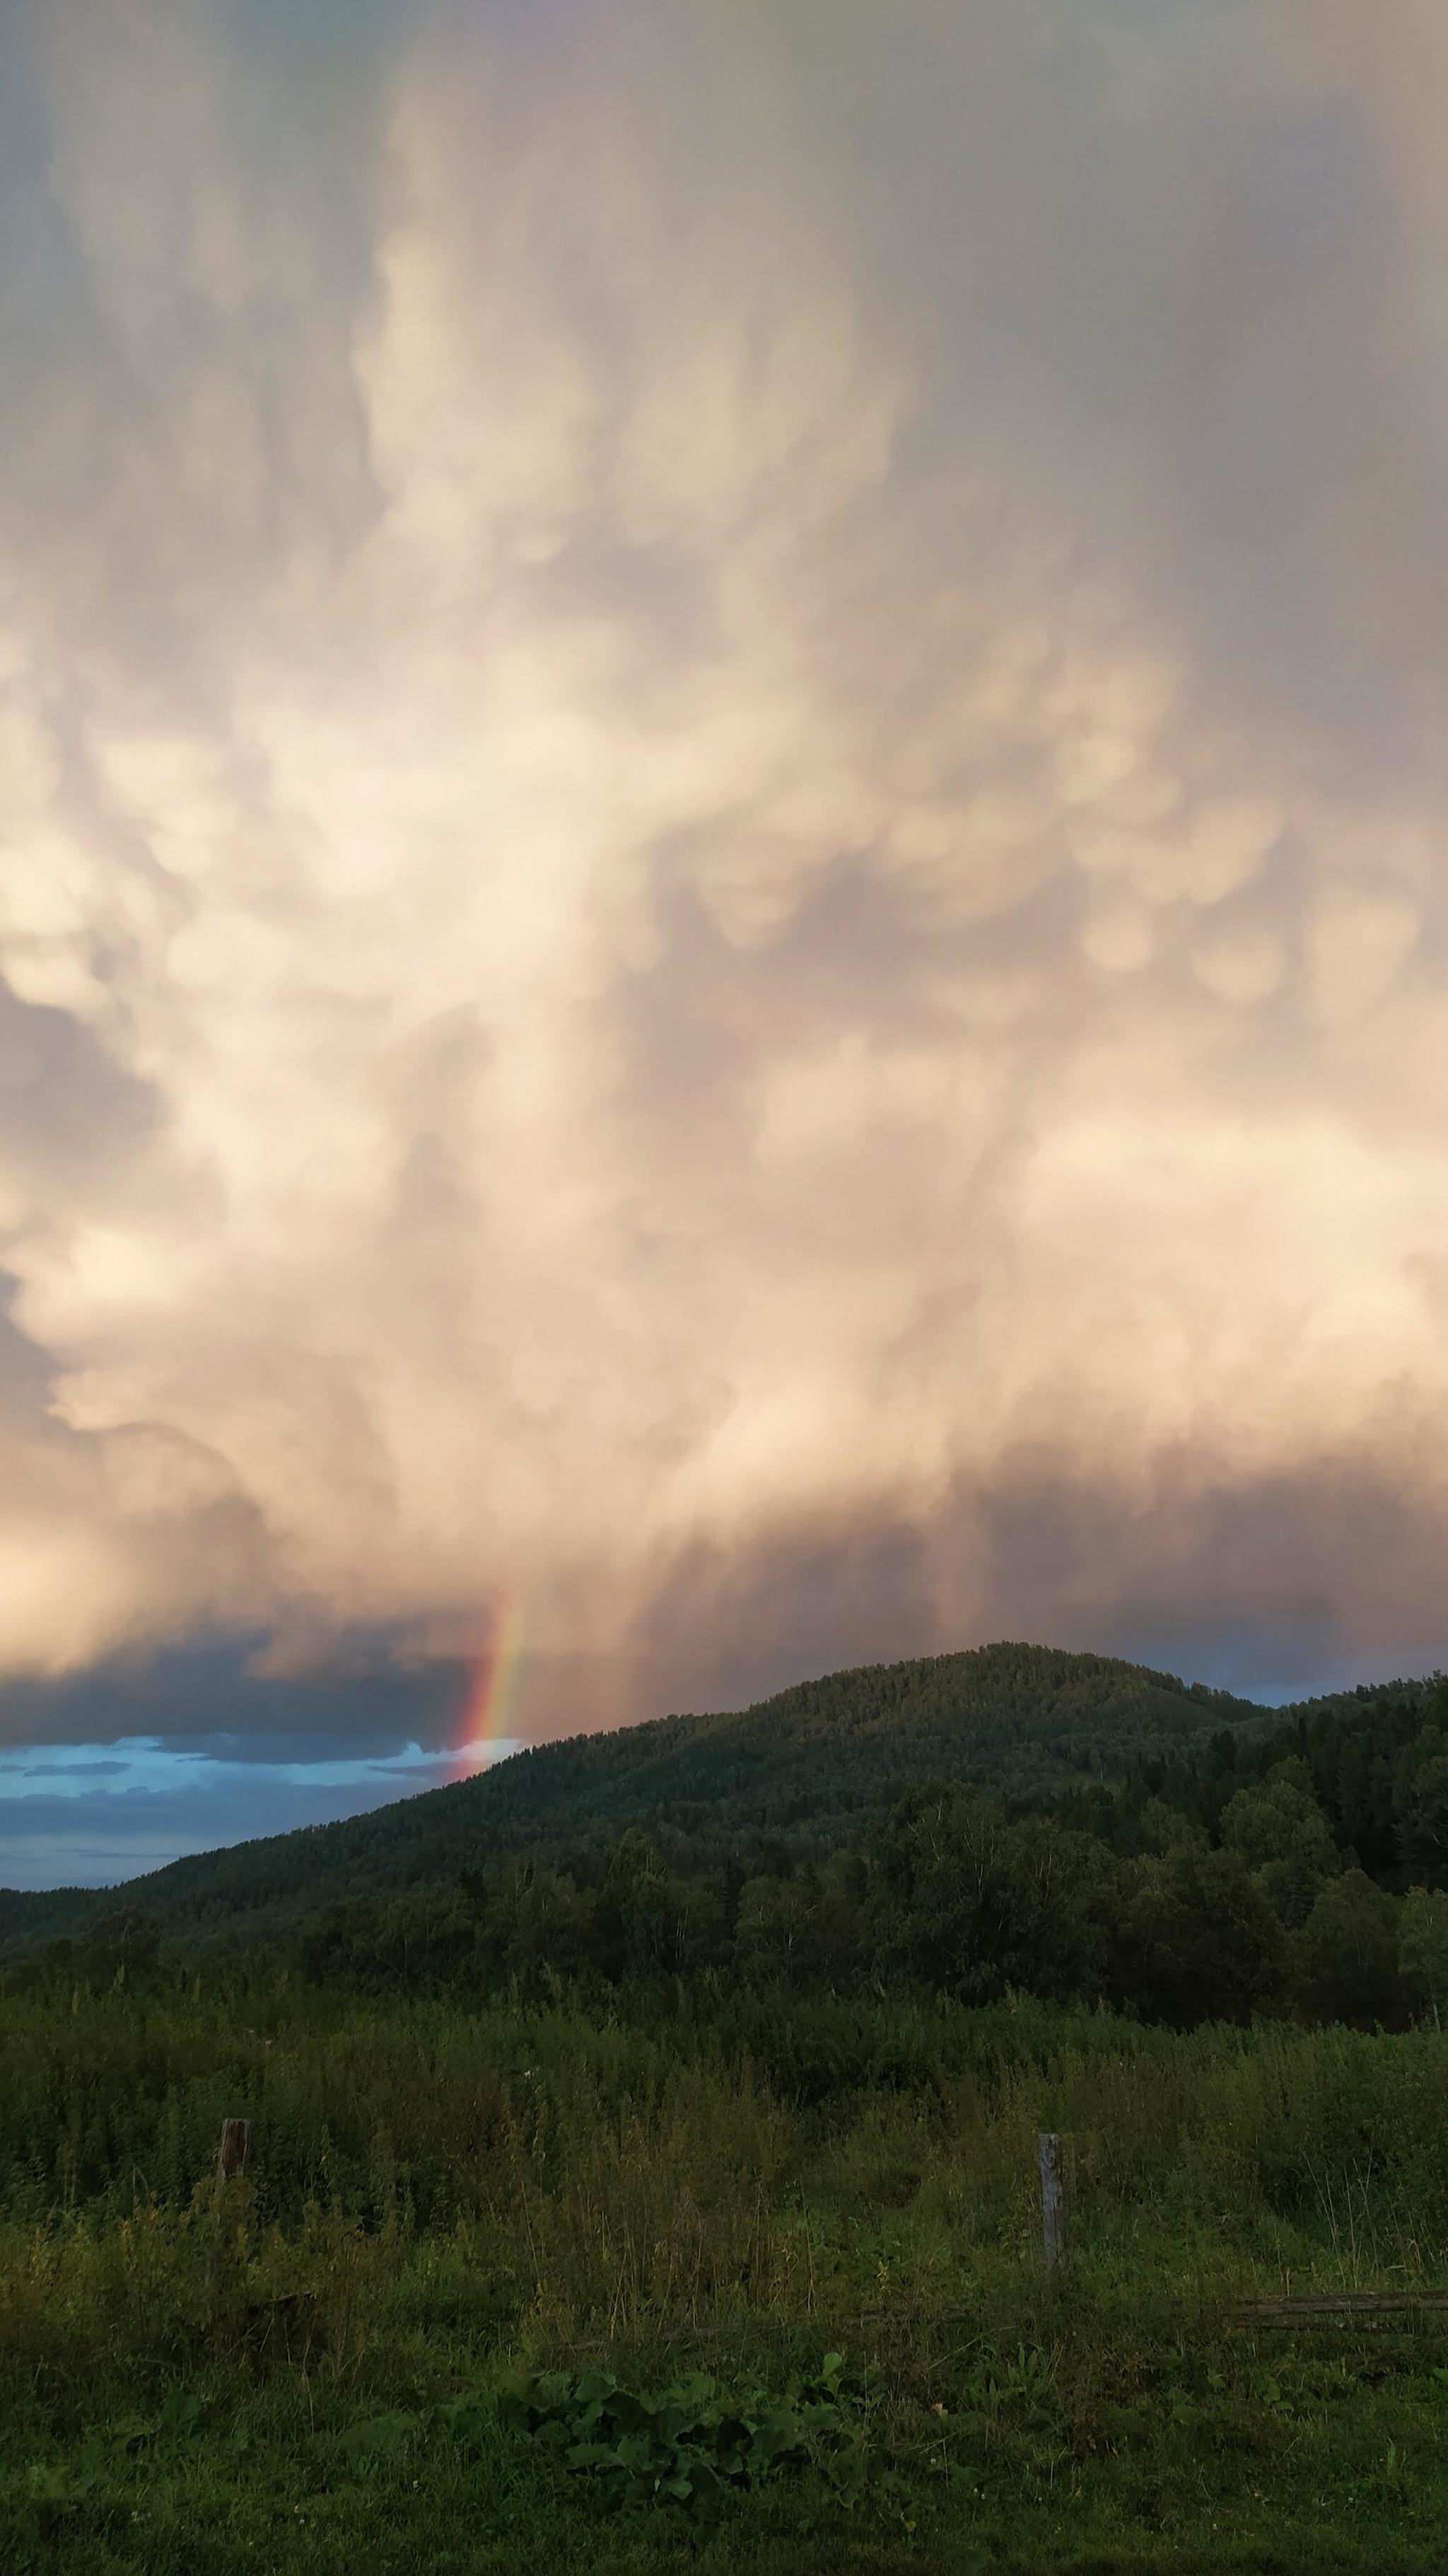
546 2178
193 2374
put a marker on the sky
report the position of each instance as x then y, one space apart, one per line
722 868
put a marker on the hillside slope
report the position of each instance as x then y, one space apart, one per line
806 1769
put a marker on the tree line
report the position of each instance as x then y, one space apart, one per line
1301 1874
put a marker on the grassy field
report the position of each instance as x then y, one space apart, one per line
514 2288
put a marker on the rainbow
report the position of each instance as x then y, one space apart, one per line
486 1710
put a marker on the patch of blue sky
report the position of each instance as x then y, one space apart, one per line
89 1815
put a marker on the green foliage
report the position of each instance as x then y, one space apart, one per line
685 2446
1345 1958
479 2236
1279 1830
1423 1829
1134 1851
689 2444
975 1904
1204 1942
802 1773
1423 1950
691 2085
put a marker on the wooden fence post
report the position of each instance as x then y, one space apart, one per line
235 2148
1053 2198
230 2166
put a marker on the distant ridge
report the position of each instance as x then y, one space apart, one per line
803 1770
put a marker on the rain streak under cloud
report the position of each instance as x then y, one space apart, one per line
724 824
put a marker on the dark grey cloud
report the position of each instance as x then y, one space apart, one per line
1233 1580
213 1703
97 1770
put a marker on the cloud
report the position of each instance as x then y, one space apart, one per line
72 1770
723 857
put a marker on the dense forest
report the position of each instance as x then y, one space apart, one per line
804 1769
1145 1855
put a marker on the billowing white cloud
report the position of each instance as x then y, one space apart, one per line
684 900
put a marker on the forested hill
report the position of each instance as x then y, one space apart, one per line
806 1770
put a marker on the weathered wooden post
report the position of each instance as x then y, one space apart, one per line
230 2166
235 2148
1053 2198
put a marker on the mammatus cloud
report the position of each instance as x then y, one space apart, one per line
722 890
